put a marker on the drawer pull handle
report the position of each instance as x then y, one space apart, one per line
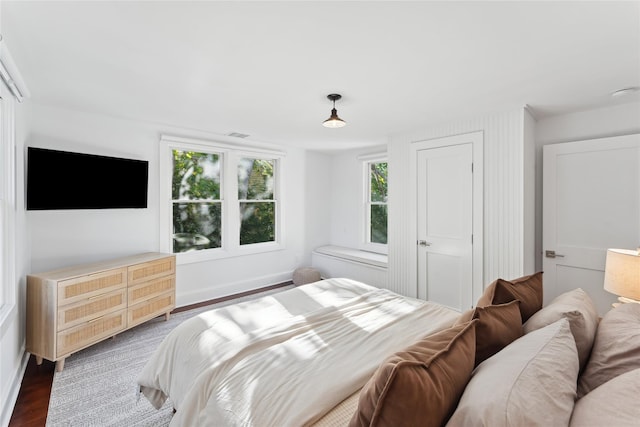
96 319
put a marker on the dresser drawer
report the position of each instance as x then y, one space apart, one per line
95 330
151 308
91 308
151 270
146 290
87 286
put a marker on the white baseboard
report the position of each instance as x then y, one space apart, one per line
227 289
14 390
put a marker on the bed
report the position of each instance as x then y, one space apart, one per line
342 353
295 358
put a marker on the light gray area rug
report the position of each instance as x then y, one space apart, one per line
98 385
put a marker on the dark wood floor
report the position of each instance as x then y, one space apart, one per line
33 399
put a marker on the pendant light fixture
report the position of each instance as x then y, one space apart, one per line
334 121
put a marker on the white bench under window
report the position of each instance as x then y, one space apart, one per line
339 261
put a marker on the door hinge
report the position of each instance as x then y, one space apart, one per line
472 239
471 167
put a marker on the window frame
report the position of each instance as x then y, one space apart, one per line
230 234
7 206
365 241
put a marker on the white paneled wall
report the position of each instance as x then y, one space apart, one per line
507 190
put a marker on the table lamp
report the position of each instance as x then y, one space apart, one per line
622 274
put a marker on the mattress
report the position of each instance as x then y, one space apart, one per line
340 415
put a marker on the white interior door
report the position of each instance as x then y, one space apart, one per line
445 225
591 202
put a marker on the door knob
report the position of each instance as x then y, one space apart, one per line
552 254
424 243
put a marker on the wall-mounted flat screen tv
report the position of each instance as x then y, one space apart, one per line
66 180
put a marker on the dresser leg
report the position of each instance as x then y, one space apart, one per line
60 365
38 360
167 316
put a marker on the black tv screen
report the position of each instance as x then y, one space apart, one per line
66 180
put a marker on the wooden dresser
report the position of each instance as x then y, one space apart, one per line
72 308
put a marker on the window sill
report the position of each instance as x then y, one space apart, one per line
357 255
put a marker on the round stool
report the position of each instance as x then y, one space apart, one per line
304 275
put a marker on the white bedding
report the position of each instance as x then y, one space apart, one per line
285 359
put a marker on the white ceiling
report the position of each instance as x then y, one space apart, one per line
265 68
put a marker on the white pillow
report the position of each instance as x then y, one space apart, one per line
614 403
531 382
578 307
616 348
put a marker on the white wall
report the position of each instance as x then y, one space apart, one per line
63 238
507 191
623 119
346 176
317 202
347 220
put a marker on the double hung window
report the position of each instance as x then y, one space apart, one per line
223 201
375 192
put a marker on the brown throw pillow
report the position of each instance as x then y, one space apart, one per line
527 289
421 385
498 326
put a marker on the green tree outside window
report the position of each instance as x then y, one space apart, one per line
257 201
197 208
378 184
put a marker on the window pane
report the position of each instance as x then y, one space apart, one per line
255 179
196 176
378 182
257 222
379 224
196 226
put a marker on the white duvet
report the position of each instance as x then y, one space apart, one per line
285 359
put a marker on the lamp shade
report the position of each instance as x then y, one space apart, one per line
622 273
334 121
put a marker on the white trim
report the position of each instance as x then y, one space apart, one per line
348 261
14 389
10 73
7 207
477 140
372 156
354 255
220 145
